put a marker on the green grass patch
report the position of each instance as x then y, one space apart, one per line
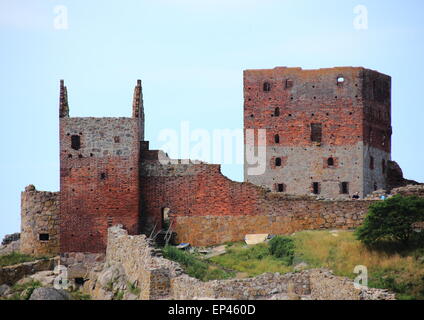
194 266
16 258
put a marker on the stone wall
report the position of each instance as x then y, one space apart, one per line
39 222
131 261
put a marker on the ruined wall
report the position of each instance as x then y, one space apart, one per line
287 102
132 260
278 217
207 208
99 175
39 222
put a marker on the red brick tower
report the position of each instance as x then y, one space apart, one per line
99 175
328 130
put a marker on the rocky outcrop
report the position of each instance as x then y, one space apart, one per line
395 177
11 247
49 294
11 274
10 238
135 270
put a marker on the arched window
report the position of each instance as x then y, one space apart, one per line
277 112
330 161
278 162
277 138
267 87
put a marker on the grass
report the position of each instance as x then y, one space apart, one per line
15 258
253 260
23 291
195 267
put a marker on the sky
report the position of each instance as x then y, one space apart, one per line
190 55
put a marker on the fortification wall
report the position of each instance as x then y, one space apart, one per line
207 208
39 222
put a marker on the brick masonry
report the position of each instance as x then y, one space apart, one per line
354 115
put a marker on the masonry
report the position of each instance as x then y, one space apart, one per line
328 137
328 131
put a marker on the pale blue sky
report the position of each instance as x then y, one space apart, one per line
190 55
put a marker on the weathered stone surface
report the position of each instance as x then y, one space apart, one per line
49 294
13 246
39 216
11 274
10 238
4 290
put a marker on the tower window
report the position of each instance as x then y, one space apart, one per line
267 87
277 112
330 162
340 80
289 83
75 142
315 188
344 188
116 139
372 163
277 138
316 132
103 176
383 166
281 187
44 237
278 162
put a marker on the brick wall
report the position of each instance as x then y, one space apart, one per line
354 116
207 208
99 180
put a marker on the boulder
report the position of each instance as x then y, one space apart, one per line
4 290
49 294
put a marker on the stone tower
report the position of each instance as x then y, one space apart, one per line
328 131
99 175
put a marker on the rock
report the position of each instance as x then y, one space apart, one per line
300 266
4 290
46 278
9 238
49 294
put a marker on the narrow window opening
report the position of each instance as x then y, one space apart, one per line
372 163
280 187
277 112
117 139
375 186
277 138
344 188
278 162
316 132
315 187
267 87
330 161
383 166
75 142
289 83
44 237
165 218
103 176
340 80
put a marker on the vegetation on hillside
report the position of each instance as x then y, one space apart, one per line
393 220
16 258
